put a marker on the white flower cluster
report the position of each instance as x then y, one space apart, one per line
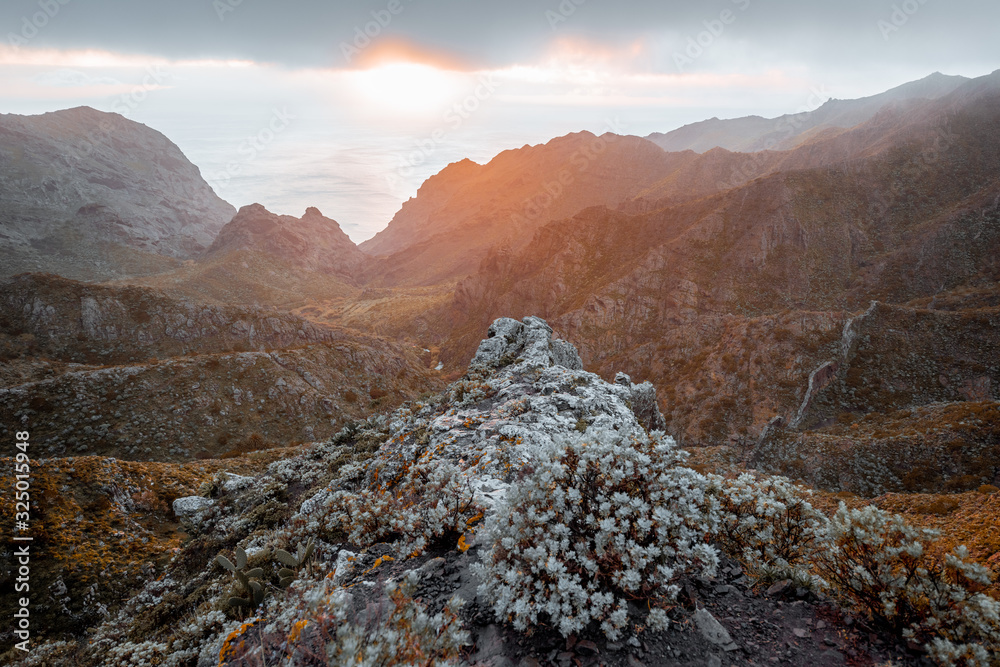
407 635
431 501
129 654
598 520
769 526
877 562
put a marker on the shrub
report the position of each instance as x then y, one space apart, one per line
876 563
768 526
431 504
407 635
872 562
595 522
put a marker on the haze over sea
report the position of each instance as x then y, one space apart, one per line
359 174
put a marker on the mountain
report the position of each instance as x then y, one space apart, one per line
312 242
261 258
93 195
754 133
728 302
443 232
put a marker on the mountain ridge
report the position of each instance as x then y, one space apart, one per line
90 184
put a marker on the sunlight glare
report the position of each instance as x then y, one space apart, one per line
407 89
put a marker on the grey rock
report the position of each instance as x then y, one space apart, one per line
231 482
191 509
712 630
779 587
832 657
489 645
529 341
344 567
432 568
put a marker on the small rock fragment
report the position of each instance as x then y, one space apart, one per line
779 587
712 630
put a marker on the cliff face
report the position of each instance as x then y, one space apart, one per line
88 192
73 321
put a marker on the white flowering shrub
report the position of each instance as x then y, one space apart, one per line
430 502
408 635
769 526
597 521
329 629
876 563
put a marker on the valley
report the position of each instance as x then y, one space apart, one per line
815 296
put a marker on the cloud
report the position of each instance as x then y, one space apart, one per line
69 78
310 33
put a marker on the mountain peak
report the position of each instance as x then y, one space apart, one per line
112 179
313 241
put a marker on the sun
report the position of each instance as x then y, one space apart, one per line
407 89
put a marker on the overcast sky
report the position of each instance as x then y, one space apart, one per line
366 99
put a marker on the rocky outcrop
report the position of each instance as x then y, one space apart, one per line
488 426
313 242
82 186
529 341
524 390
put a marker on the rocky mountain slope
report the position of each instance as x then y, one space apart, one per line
754 133
263 259
312 242
442 233
132 373
92 194
916 212
404 498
